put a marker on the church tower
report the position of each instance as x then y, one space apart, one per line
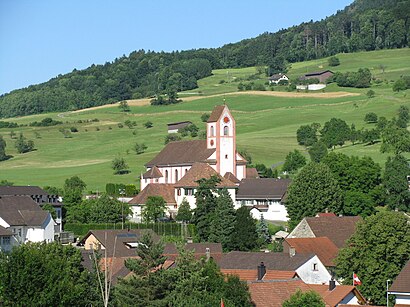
221 135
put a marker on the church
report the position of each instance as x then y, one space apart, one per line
173 173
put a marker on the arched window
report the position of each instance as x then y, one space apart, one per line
226 130
212 131
166 176
176 175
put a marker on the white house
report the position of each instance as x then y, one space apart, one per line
24 218
276 78
308 267
265 196
401 287
40 196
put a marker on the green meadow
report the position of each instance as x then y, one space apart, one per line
266 125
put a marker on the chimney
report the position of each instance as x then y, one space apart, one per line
292 251
207 253
261 271
332 284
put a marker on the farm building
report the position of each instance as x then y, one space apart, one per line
322 76
276 78
174 127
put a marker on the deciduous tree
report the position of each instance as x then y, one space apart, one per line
376 252
314 190
294 161
304 299
395 181
154 209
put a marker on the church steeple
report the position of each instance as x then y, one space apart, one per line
221 135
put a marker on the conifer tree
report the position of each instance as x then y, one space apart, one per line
244 237
184 213
263 231
223 221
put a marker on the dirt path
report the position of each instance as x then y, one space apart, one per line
146 101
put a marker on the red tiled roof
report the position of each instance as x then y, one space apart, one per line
252 275
182 153
325 214
199 171
231 177
165 190
252 172
325 249
275 292
216 113
337 228
154 172
402 281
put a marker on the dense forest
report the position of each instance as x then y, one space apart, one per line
363 25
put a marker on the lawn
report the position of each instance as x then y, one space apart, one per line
266 127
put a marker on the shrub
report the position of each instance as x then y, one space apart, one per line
148 124
172 138
73 129
334 61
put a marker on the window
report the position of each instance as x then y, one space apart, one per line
315 267
226 130
156 179
212 133
188 192
166 176
186 171
226 156
176 175
179 192
58 211
6 240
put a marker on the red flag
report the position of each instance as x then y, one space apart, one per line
356 280
222 303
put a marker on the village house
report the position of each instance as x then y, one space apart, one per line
40 196
322 247
307 267
273 293
401 287
276 78
265 196
337 228
22 220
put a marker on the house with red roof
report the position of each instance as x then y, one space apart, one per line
273 293
401 287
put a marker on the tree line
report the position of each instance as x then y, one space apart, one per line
363 25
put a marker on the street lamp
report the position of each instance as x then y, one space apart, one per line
387 292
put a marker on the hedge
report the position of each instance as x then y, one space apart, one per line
162 229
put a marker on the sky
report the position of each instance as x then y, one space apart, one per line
44 38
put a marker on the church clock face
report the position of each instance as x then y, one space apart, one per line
226 119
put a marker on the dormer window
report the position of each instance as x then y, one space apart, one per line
226 130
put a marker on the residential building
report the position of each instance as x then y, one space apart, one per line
337 228
40 196
306 266
24 218
401 287
322 247
274 293
265 196
7 240
276 78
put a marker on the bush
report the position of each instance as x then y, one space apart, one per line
370 93
48 121
140 148
399 85
120 125
370 117
334 61
73 129
205 117
148 124
172 138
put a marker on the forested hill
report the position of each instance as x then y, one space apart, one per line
364 25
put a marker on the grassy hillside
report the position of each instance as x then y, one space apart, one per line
266 126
